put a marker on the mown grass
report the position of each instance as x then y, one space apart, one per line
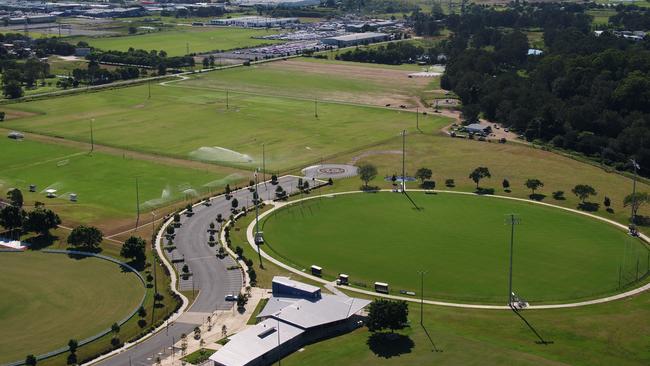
179 39
105 184
52 298
178 121
462 241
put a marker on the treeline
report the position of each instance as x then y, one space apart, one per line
153 58
94 75
633 19
18 73
585 93
373 6
395 53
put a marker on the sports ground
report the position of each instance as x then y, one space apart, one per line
51 298
180 39
461 241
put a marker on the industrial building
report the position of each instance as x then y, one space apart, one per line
31 19
296 314
255 22
356 39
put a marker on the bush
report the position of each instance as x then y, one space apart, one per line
450 183
559 195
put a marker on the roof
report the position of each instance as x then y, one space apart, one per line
255 341
312 313
358 36
476 126
286 281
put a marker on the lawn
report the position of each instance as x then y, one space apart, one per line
343 82
57 298
104 183
609 334
197 124
461 241
179 39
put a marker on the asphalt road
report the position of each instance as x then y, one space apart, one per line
210 276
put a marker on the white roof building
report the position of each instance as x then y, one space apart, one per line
287 323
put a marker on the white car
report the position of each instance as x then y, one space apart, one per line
231 297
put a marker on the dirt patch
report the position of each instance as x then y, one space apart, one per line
138 106
374 74
15 114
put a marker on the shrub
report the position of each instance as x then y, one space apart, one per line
450 183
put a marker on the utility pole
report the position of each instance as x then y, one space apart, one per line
264 165
403 161
149 85
153 246
227 101
417 118
92 138
137 204
512 220
422 273
315 108
633 214
257 220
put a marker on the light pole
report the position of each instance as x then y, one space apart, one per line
153 245
137 204
92 138
417 118
403 161
633 213
512 220
422 273
257 221
315 108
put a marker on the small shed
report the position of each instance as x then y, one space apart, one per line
316 270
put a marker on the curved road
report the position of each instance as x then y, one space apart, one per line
210 276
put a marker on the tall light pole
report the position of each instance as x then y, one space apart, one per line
257 220
92 137
512 220
227 100
417 118
403 161
315 108
633 213
137 204
153 246
149 86
422 273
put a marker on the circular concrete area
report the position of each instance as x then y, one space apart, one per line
334 171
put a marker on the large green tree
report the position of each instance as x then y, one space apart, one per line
636 201
423 174
534 184
583 191
87 237
15 197
479 173
387 314
41 221
12 218
134 248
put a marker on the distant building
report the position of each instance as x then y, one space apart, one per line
274 3
31 19
479 129
254 22
356 39
296 314
82 51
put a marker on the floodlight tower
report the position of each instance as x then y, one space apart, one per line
512 220
422 273
636 167
92 139
403 161
256 197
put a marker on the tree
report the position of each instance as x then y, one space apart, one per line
12 90
134 248
15 197
387 314
423 174
505 184
41 221
367 172
583 191
636 201
479 173
88 237
274 179
235 203
533 185
12 218
206 62
72 345
30 360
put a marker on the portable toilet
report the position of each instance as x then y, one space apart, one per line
73 197
32 187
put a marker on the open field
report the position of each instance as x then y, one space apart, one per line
452 158
461 241
194 123
178 40
608 334
104 183
350 82
51 298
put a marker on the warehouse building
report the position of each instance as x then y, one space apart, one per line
356 39
255 22
296 314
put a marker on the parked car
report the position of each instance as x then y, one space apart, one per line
231 297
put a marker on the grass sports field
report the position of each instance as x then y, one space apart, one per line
51 298
462 243
344 82
195 123
177 40
104 183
